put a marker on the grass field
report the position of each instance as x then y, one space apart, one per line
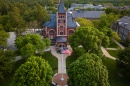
113 53
52 60
69 60
113 45
114 78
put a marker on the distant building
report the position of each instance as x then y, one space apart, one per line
87 14
60 27
122 27
85 6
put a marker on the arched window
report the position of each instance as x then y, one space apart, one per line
71 32
51 32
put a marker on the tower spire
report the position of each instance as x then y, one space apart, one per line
61 7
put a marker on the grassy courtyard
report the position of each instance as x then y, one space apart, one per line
52 60
114 78
113 53
113 45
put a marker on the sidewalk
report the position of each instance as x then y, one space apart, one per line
56 80
122 47
106 53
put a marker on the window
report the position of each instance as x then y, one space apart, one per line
51 37
126 32
51 32
61 33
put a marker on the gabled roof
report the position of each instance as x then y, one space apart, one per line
124 22
51 23
70 23
61 7
87 14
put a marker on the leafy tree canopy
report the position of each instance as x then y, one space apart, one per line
89 38
124 62
6 62
88 70
84 22
29 44
3 38
35 72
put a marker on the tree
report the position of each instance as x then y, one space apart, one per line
28 50
88 70
47 41
18 23
89 38
124 62
41 14
29 44
107 20
105 23
6 62
35 72
3 38
84 22
112 10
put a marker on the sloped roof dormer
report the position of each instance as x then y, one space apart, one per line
61 7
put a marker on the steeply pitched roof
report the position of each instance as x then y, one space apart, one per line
87 14
70 23
52 22
61 7
125 22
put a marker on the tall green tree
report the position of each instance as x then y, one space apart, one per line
3 38
41 15
6 62
124 62
29 44
88 70
35 72
89 38
47 41
18 23
84 22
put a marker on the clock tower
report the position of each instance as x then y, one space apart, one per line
61 20
59 27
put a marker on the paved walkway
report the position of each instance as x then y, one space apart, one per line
61 58
111 49
61 67
121 46
106 53
57 79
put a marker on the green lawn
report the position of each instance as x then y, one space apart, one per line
113 53
113 45
69 60
114 79
52 60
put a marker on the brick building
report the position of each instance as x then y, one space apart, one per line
59 27
122 27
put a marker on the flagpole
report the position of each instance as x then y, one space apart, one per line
62 78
